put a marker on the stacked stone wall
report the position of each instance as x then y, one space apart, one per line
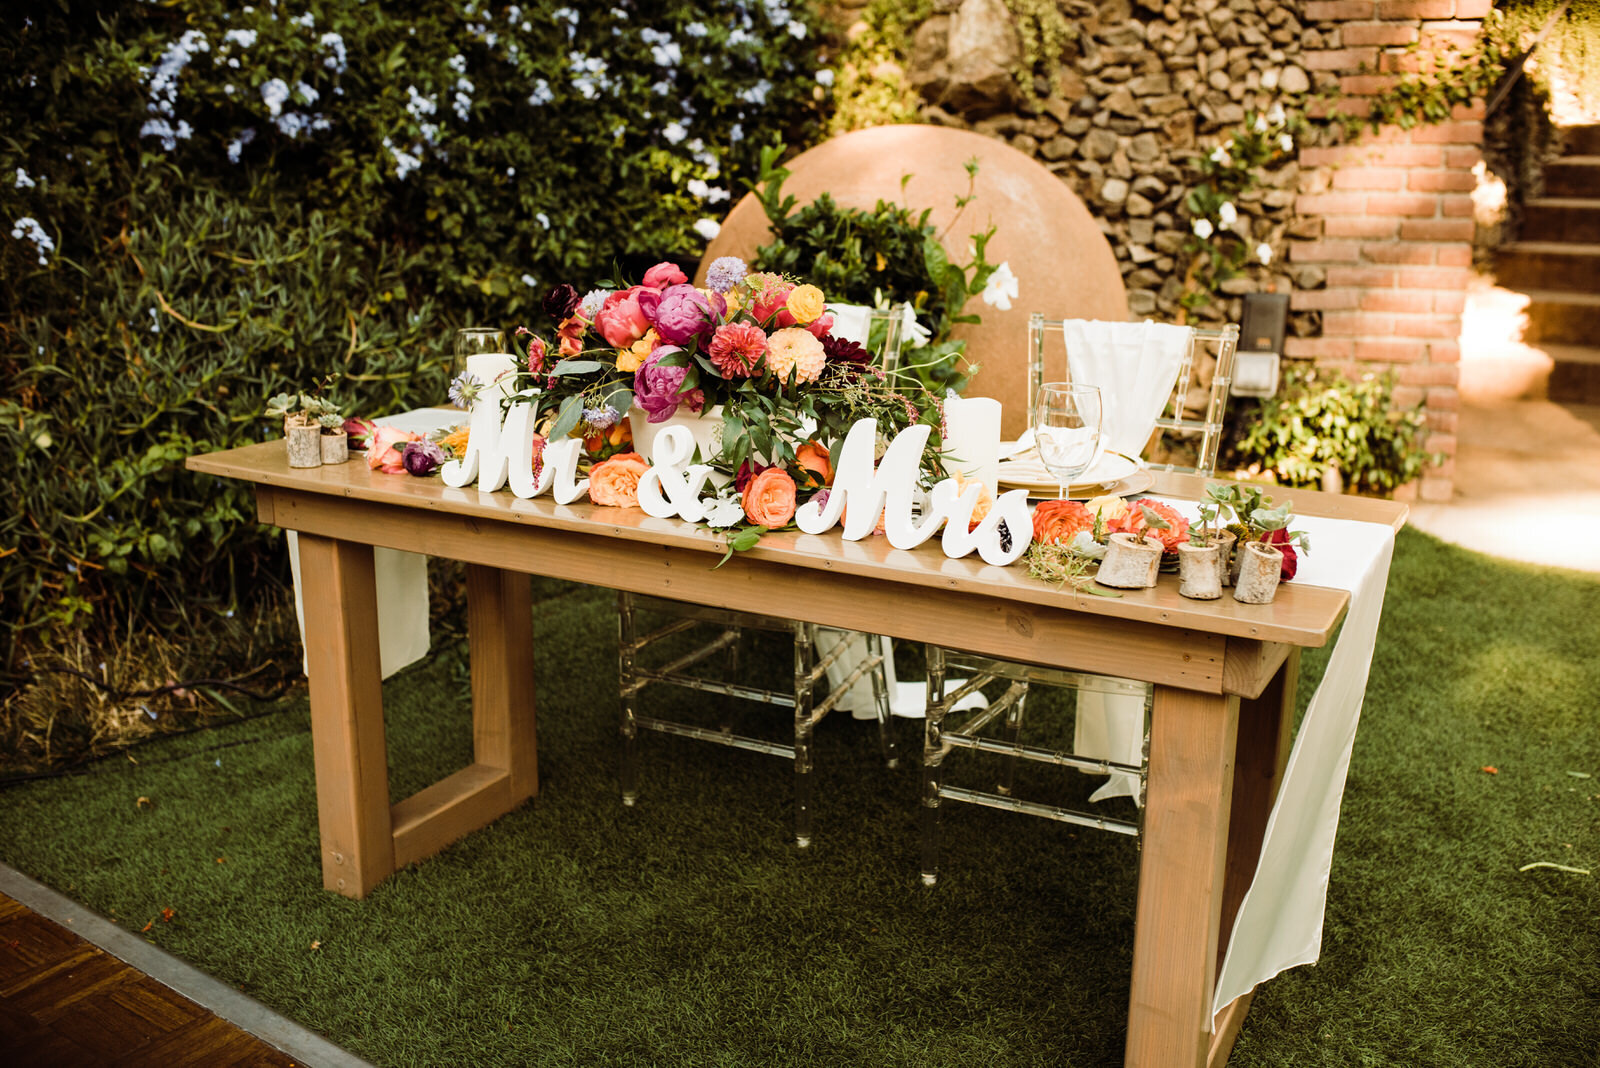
1372 239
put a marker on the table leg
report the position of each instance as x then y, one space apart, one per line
1266 732
352 768
1181 878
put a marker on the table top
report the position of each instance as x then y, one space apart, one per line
1300 615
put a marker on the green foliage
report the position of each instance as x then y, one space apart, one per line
1219 244
1044 33
870 86
1322 420
232 201
880 257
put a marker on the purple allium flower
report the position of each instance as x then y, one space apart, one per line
726 272
464 389
421 457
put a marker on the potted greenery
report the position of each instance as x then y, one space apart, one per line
1261 559
313 429
1203 559
1133 560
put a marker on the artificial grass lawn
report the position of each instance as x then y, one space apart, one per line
690 931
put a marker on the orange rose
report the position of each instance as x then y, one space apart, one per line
1133 523
615 483
1058 522
813 458
980 511
769 498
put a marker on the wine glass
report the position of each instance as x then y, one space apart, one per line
472 340
1066 430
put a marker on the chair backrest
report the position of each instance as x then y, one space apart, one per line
880 331
1196 407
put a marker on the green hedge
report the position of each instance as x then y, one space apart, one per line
229 201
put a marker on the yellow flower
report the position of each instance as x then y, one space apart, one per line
1108 508
806 303
734 301
630 358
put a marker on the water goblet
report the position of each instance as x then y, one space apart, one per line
472 340
1066 430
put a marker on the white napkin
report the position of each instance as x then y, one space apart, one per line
851 322
1136 367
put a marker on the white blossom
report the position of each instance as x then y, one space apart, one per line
695 29
916 335
337 61
544 220
1202 228
1264 253
674 132
28 228
825 78
275 94
170 135
529 280
797 30
1228 215
541 94
458 63
404 162
1002 287
305 94
236 146
1275 115
242 38
1260 125
708 228
308 20
1286 142
164 82
23 181
1219 155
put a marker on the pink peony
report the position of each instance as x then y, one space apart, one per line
769 294
663 275
737 348
679 312
821 325
621 321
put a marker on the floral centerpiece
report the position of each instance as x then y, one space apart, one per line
752 352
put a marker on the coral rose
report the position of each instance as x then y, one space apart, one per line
736 349
615 483
384 449
1058 522
663 275
620 321
769 498
805 303
1133 523
813 459
794 349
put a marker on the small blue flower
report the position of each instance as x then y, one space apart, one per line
601 418
464 389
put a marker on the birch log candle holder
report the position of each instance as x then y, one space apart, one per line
335 446
305 444
1199 577
1131 563
1260 570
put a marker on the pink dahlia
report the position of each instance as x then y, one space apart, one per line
737 348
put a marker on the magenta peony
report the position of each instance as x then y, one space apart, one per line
659 390
679 312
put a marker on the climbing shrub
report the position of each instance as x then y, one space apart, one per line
206 203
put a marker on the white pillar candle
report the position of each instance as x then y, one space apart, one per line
494 370
972 439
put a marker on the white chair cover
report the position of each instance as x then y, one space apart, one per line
1136 367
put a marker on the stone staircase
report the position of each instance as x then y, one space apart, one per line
1556 263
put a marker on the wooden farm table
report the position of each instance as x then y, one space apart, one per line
1224 678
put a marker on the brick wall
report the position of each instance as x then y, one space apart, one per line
1388 218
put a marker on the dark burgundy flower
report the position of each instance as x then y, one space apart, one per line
747 471
421 457
840 350
560 302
